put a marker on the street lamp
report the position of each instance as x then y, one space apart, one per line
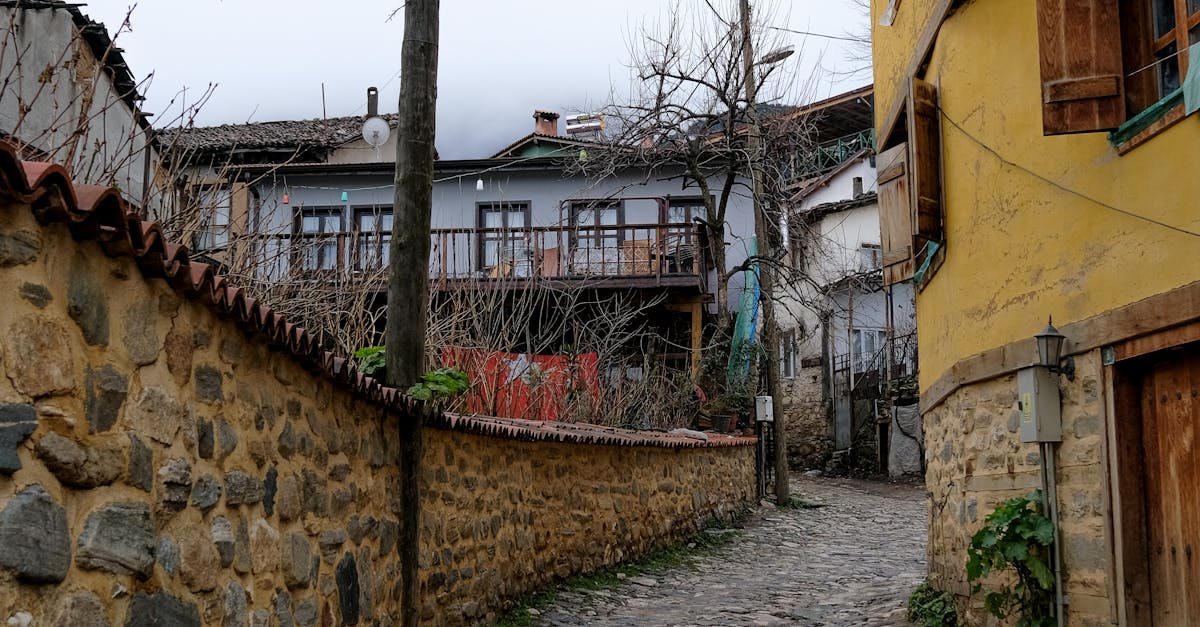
1050 344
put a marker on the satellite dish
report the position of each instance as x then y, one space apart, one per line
376 131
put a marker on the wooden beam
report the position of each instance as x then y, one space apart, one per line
1180 306
697 337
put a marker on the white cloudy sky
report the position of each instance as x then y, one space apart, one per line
498 61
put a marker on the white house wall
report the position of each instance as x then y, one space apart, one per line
113 150
455 202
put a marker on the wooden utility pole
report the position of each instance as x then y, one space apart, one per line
408 274
762 236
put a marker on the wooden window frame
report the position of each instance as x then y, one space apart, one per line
504 207
299 234
377 235
209 228
579 206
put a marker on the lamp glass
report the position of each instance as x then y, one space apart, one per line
1050 344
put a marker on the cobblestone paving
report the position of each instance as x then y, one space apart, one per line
851 561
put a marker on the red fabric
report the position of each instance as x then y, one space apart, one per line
533 387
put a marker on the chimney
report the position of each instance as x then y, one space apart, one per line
858 191
545 122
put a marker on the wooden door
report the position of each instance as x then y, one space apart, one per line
1170 399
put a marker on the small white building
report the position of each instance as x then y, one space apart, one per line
844 336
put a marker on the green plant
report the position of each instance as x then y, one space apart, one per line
1018 536
930 607
371 359
439 384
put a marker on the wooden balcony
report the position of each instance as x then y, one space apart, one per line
628 255
620 256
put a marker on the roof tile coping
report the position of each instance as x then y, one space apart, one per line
92 212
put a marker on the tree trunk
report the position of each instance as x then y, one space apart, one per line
408 296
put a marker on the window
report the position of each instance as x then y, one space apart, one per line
681 213
213 204
787 354
869 257
374 238
590 218
503 239
1175 25
318 232
1105 61
868 348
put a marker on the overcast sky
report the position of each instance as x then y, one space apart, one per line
498 60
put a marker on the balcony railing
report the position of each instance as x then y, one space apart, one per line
828 155
640 253
633 254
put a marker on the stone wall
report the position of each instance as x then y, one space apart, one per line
809 438
162 464
976 461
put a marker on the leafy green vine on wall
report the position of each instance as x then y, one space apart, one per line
1017 536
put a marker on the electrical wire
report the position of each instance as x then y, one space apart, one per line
803 32
1056 184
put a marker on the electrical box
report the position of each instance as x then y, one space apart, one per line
1040 405
764 409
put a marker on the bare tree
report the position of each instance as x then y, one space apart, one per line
684 116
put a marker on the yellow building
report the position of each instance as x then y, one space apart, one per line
1042 158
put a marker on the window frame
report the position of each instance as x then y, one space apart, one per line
212 234
376 238
298 233
787 354
597 229
504 237
858 365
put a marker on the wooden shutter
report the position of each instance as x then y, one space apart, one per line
895 214
1079 42
925 162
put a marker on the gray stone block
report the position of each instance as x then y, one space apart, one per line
161 609
241 488
36 294
222 535
295 559
78 466
175 483
87 303
105 393
206 492
208 384
34 540
141 464
19 247
118 538
80 608
17 423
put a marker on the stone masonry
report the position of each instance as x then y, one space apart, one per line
976 461
809 437
159 465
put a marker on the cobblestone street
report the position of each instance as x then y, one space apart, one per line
851 560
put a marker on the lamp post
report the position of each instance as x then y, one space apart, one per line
766 282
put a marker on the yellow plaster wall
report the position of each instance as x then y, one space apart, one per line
893 46
1019 248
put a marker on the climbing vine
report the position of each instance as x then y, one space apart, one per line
1018 536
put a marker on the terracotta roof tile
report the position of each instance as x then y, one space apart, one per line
100 214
